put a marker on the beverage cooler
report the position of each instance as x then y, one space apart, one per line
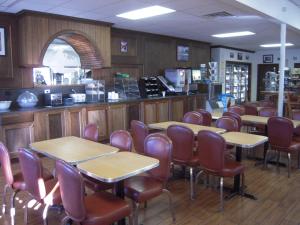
236 80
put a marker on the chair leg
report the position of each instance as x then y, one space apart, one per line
12 206
277 160
298 159
192 194
289 165
135 212
65 220
243 184
45 214
196 180
266 159
170 203
221 195
4 198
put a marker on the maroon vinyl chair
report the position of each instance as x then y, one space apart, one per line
45 192
100 208
240 110
207 118
265 112
211 152
193 118
183 150
280 133
235 116
139 132
141 189
122 140
296 116
251 110
91 132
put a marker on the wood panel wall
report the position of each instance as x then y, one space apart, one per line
37 30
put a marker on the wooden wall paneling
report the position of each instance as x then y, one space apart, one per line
201 101
149 112
163 112
133 112
75 121
16 136
191 103
177 106
117 117
98 115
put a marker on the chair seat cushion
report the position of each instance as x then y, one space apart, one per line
96 185
194 161
142 188
104 208
52 192
19 183
231 168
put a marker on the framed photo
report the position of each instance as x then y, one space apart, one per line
2 42
231 55
267 58
240 56
124 46
183 53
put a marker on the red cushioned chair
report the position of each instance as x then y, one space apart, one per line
236 117
183 150
14 182
141 189
122 140
42 191
280 133
212 160
265 112
240 110
91 132
139 132
296 116
207 118
101 208
251 110
193 118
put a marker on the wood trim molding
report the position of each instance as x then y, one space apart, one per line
232 48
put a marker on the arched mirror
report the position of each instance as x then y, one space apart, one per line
62 66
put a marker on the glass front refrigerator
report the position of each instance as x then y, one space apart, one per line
236 81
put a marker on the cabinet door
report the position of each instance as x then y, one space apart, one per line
133 112
15 136
191 103
150 115
201 101
49 125
75 121
163 111
98 115
177 109
117 118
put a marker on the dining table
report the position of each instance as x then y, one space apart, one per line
72 150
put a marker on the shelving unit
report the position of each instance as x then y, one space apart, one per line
236 81
149 87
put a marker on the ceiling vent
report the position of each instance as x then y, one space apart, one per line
221 14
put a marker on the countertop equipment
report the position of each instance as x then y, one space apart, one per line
53 99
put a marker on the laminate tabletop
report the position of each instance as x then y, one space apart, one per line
71 149
116 167
244 140
262 120
193 127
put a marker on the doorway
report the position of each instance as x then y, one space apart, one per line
261 71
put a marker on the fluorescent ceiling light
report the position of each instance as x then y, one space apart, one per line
155 10
275 45
235 34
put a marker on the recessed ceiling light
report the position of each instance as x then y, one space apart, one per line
275 45
234 34
151 11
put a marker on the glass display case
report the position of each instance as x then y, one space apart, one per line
95 91
126 88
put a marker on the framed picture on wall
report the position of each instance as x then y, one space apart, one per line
240 56
267 58
183 53
124 46
231 55
2 42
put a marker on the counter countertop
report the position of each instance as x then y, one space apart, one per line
107 102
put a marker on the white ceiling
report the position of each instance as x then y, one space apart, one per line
186 22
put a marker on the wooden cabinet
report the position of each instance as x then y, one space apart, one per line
98 115
117 117
155 111
177 109
201 101
49 124
75 121
133 112
163 112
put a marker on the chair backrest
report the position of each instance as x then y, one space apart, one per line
296 114
280 132
240 110
251 110
227 123
139 132
6 165
267 112
183 142
193 118
121 139
207 118
159 146
72 190
211 148
91 132
32 171
235 116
